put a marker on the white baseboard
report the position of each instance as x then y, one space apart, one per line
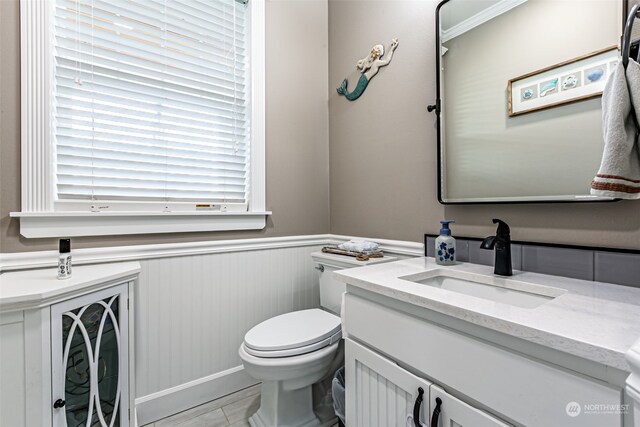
167 402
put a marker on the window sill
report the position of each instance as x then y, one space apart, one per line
76 224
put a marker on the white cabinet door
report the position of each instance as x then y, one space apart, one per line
456 413
379 393
90 353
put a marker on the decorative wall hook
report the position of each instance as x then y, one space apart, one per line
369 67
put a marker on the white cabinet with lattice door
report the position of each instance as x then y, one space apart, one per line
67 347
89 359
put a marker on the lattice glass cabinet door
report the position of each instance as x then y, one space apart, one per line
89 341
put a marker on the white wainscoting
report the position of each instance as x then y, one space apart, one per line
195 301
192 313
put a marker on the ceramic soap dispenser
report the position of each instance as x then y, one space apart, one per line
445 245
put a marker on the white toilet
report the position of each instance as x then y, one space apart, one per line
291 352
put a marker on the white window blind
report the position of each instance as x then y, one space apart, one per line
151 103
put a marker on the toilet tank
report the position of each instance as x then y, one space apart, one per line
331 290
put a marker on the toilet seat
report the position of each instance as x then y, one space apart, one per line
293 334
295 351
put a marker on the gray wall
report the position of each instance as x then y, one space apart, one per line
297 130
383 146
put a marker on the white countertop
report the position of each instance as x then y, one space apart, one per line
593 320
35 288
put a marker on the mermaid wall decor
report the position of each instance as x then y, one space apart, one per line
368 67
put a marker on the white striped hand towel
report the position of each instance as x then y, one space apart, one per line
619 173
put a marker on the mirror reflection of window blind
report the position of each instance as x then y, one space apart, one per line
151 100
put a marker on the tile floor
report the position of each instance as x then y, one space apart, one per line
229 411
233 410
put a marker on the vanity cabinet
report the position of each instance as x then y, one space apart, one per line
66 347
390 352
381 393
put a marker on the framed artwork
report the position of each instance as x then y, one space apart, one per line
570 81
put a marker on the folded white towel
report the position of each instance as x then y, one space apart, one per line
356 245
619 173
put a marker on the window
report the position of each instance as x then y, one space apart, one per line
142 116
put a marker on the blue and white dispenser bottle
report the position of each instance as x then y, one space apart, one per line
445 245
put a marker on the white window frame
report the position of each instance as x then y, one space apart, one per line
38 217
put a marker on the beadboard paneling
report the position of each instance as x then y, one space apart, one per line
193 311
380 402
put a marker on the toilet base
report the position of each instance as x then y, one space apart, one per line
284 408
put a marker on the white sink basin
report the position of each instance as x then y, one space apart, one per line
497 289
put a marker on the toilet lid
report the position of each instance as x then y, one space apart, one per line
299 329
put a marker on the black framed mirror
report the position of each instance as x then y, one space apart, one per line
635 34
518 98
